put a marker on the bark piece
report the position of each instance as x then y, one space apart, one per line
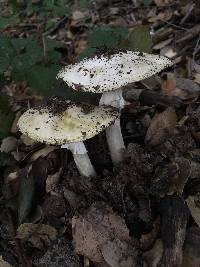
174 217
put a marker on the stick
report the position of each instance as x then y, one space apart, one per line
174 218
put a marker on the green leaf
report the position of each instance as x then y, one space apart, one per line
53 56
87 52
20 43
43 78
35 52
26 195
4 62
147 2
52 44
6 46
138 39
6 120
60 11
5 159
106 36
19 75
21 62
4 22
4 104
84 3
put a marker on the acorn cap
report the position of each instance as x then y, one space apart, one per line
109 72
75 123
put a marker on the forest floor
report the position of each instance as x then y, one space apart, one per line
146 210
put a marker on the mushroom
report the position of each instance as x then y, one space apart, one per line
68 124
108 74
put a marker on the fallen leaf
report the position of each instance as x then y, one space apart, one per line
27 140
154 255
168 51
42 153
180 179
139 38
52 180
26 195
161 2
171 179
162 44
168 84
148 240
8 144
14 128
191 249
193 203
161 127
4 263
167 15
197 77
40 235
95 228
119 253
185 89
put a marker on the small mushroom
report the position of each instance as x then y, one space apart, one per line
108 74
68 124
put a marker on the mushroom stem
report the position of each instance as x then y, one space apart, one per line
81 158
113 132
115 142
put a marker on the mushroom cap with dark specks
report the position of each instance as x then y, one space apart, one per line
107 73
77 123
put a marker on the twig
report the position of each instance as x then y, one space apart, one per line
50 31
44 49
196 50
191 33
187 14
174 25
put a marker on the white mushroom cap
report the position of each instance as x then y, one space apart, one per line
109 72
77 122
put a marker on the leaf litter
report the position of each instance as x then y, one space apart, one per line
149 191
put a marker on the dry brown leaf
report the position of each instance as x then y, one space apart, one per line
96 227
147 240
168 84
167 15
185 89
4 263
8 144
179 180
118 253
154 255
162 44
193 203
168 51
197 77
42 153
191 250
27 140
161 2
40 235
52 180
162 125
14 128
80 46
